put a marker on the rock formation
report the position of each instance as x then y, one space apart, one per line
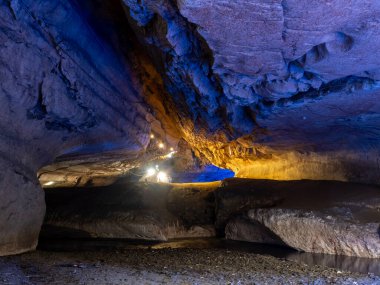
334 217
321 217
276 90
64 89
331 232
132 211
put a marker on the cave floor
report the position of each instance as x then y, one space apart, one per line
150 265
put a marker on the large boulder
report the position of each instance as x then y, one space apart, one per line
333 231
238 196
243 229
321 217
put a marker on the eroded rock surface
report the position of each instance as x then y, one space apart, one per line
133 211
276 89
334 217
22 212
324 217
243 229
64 89
332 231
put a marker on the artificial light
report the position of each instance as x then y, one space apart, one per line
162 177
150 172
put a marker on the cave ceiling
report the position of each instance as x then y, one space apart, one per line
269 89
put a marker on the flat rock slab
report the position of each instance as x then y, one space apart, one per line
313 216
320 232
237 196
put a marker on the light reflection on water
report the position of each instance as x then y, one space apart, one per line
339 262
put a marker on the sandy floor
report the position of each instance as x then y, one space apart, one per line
166 266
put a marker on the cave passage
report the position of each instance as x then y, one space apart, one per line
189 142
193 221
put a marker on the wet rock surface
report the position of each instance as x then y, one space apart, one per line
241 195
167 266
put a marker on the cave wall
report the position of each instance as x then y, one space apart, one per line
64 89
274 89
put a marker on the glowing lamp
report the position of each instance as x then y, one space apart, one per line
152 136
150 172
49 183
161 145
170 154
162 177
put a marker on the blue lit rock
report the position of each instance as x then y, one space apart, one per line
63 89
277 90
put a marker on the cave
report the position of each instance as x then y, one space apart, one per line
189 142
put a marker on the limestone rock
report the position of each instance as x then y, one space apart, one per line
64 89
238 196
243 229
278 90
283 73
22 211
134 211
321 217
322 232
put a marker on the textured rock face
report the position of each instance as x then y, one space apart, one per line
22 212
274 89
243 229
334 217
324 217
134 211
321 232
64 89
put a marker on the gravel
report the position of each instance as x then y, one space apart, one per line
167 266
